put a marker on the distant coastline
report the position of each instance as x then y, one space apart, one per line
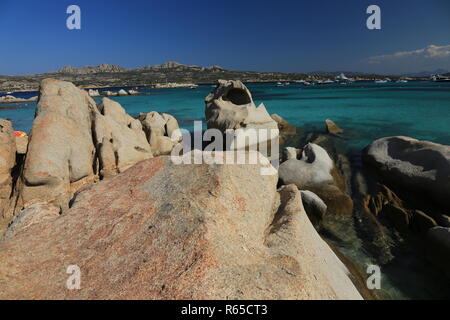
108 76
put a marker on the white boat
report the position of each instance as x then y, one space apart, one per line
9 92
279 84
402 81
381 81
343 79
439 78
328 81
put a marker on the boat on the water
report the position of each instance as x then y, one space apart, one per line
439 78
402 81
342 79
381 81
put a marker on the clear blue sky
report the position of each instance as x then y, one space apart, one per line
288 36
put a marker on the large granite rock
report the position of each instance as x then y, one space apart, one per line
166 231
316 172
61 152
7 163
119 138
162 131
419 166
231 106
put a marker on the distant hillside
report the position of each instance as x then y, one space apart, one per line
106 75
112 75
426 73
103 68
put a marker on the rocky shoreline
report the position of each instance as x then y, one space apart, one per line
96 188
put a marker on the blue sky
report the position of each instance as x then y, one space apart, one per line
288 36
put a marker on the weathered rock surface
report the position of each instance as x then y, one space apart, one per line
7 163
120 140
61 152
165 231
419 166
35 213
316 172
231 106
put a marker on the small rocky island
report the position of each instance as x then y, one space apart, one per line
96 188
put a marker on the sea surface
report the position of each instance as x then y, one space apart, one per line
365 110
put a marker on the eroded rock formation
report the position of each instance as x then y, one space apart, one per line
231 106
316 172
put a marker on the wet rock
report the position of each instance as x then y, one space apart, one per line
399 217
421 222
314 207
223 233
443 220
332 128
419 166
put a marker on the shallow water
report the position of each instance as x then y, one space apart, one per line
366 111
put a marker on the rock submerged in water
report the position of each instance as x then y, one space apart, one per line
168 231
332 128
316 172
422 167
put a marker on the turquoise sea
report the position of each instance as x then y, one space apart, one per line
366 110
